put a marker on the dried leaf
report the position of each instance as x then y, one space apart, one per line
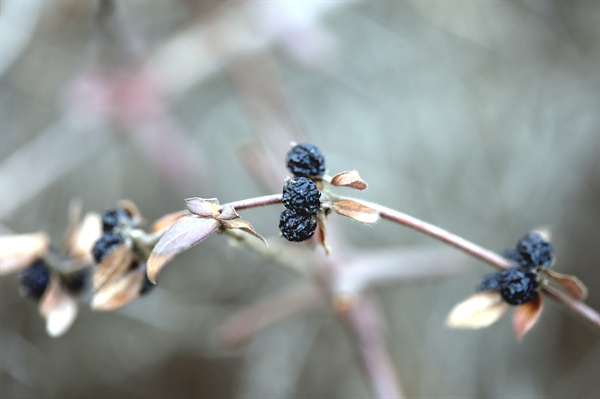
114 264
356 211
477 311
20 250
130 208
228 213
87 234
167 221
58 308
322 233
349 179
526 315
571 284
206 208
183 234
120 292
244 226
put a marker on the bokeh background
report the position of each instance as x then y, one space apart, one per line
479 116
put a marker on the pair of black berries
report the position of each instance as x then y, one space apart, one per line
301 197
112 221
35 279
518 285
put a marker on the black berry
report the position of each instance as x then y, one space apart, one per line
489 283
534 251
305 160
296 227
106 243
517 285
114 218
302 196
35 279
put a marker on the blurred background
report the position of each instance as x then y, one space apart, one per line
481 117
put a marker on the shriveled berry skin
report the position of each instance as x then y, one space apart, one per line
302 195
35 279
517 285
489 283
305 160
534 251
113 218
296 227
106 243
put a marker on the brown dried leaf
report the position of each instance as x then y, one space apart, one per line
114 264
206 208
88 232
228 213
20 250
356 211
244 226
58 308
119 292
526 315
477 311
129 207
322 233
349 178
571 284
167 221
183 234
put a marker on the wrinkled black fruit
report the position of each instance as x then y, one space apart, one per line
305 160
302 196
106 243
114 218
296 227
517 285
35 279
534 251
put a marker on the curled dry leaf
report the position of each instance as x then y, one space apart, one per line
526 315
349 179
58 308
113 266
245 227
355 210
182 235
477 311
88 233
571 284
20 250
119 292
130 208
322 233
167 221
228 213
206 208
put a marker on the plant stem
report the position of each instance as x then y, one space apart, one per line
490 257
254 202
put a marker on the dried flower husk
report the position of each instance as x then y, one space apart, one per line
349 178
18 251
526 315
571 284
355 210
59 309
477 311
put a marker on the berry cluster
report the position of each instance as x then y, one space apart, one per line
301 196
34 280
518 284
113 222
